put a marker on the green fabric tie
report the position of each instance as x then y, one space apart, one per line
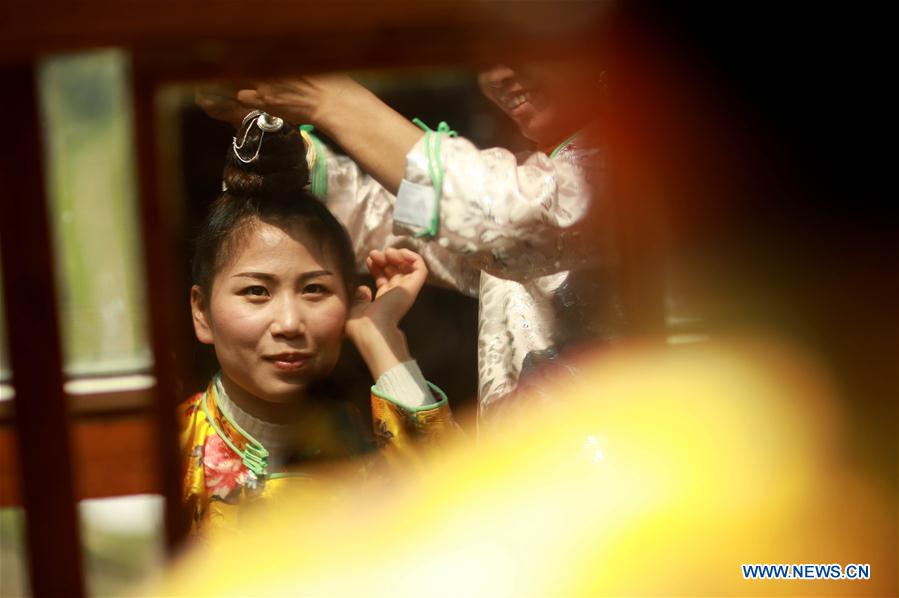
435 168
318 184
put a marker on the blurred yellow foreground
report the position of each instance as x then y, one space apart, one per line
659 472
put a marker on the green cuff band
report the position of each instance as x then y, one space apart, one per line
435 168
414 410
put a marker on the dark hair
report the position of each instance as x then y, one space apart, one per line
270 186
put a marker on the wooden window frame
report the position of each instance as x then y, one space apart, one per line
133 433
109 428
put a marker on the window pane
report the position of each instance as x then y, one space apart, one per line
13 564
123 541
88 138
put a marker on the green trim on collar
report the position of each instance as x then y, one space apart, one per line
255 457
562 145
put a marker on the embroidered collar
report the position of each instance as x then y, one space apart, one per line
564 144
252 453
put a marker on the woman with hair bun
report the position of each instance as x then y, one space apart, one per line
274 294
505 228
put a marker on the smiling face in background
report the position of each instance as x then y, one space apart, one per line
548 101
275 314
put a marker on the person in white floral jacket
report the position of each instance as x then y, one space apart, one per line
503 227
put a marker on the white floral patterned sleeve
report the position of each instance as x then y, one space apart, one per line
514 217
365 208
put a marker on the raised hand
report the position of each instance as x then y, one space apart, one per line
373 325
399 275
221 104
375 135
302 99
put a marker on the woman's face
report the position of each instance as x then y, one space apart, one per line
548 101
276 313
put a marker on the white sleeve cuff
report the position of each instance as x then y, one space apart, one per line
416 201
405 384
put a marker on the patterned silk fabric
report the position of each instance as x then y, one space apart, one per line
217 481
510 227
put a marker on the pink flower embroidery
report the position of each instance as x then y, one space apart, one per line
225 471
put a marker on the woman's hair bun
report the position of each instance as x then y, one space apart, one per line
263 163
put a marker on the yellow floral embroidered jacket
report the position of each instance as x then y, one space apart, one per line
225 468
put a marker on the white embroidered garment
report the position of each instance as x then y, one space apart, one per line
507 232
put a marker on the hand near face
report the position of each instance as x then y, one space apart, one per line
373 325
399 275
